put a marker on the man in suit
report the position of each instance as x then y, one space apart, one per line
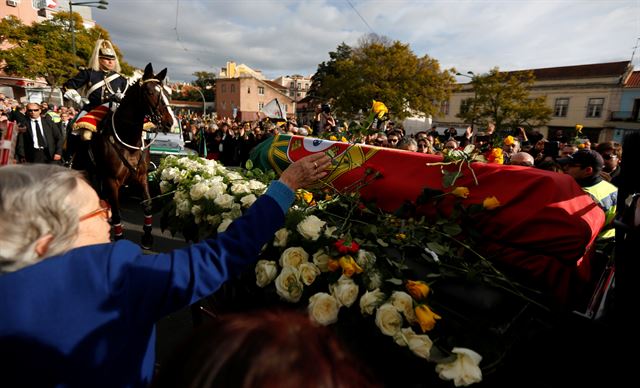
41 140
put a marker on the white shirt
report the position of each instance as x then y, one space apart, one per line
36 145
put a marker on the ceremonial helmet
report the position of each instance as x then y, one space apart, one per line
103 49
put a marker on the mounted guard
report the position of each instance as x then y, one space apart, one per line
103 87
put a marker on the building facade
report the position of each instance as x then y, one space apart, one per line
582 94
242 92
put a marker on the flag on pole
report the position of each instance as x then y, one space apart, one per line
51 4
273 110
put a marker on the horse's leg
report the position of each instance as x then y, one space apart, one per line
111 189
147 238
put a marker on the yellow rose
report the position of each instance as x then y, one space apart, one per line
333 138
509 140
490 203
333 265
579 129
426 317
379 109
349 266
401 236
344 139
418 290
460 192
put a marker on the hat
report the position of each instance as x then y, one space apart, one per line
106 50
584 158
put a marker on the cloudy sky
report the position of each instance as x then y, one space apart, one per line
282 37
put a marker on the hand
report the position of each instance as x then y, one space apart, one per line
73 95
306 171
57 157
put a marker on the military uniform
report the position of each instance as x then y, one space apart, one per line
113 84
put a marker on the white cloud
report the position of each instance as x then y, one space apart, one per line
283 37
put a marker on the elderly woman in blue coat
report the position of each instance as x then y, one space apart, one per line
79 310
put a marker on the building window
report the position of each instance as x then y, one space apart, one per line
561 107
261 90
594 109
444 107
299 85
249 90
260 105
233 88
299 94
223 88
285 107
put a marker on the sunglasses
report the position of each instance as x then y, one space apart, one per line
33 110
104 209
609 156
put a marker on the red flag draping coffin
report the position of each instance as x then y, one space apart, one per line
544 228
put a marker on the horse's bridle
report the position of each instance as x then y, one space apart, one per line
153 117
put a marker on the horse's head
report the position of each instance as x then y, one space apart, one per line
156 100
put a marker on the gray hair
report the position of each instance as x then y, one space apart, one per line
33 203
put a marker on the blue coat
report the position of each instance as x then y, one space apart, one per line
86 318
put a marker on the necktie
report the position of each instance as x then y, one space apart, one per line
39 135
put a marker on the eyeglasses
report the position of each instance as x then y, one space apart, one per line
104 210
33 110
609 156
393 140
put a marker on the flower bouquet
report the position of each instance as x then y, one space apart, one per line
403 278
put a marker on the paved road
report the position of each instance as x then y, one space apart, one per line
173 329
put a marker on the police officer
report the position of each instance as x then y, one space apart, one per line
102 83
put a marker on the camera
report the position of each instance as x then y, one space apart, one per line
326 108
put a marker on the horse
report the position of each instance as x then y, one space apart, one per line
119 152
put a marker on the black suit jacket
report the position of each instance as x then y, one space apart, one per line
24 146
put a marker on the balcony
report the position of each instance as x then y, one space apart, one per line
625 116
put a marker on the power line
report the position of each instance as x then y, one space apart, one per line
360 16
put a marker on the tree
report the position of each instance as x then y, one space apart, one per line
206 81
386 71
328 69
503 98
43 50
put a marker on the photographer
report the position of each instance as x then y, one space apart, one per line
323 118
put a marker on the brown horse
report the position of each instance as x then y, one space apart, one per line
119 152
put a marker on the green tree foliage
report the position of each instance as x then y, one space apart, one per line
387 71
206 81
503 98
328 69
45 50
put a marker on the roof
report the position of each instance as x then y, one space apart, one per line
633 81
611 69
274 85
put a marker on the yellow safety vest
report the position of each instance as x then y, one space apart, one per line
606 195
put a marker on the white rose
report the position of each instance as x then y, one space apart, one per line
372 280
310 227
240 188
197 191
464 370
281 237
266 271
419 344
293 257
345 291
257 186
224 225
308 273
213 219
183 207
169 174
288 284
403 302
370 300
233 176
330 230
321 260
225 201
215 189
388 319
365 259
165 186
196 210
248 200
323 308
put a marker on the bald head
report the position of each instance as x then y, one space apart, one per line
521 159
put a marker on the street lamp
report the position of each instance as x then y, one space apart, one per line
472 77
102 4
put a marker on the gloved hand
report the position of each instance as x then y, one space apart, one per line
118 97
73 95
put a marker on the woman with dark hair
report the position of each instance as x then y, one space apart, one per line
263 349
